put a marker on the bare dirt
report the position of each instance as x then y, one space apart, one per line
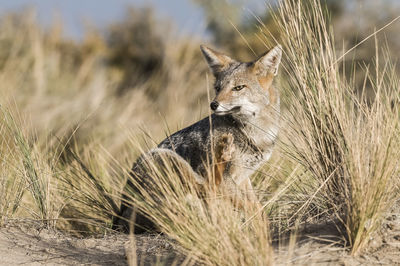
28 243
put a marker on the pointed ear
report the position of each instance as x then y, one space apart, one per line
217 61
269 62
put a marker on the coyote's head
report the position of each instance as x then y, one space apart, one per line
243 90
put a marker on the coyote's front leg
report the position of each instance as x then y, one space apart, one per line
224 150
244 192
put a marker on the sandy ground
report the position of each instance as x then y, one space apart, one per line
27 243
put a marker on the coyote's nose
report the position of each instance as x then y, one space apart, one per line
214 105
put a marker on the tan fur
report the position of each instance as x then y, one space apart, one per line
218 61
224 96
266 84
223 154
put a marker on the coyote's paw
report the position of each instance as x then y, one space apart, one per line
225 148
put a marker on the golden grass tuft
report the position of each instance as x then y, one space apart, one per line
347 142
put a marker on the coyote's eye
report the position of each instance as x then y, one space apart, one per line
217 88
238 88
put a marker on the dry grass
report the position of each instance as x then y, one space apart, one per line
347 142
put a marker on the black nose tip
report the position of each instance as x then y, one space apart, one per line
214 105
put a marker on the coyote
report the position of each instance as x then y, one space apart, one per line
240 133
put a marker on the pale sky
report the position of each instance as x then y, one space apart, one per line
187 16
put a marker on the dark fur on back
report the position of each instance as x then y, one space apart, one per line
192 142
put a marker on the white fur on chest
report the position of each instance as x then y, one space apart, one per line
247 164
266 138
